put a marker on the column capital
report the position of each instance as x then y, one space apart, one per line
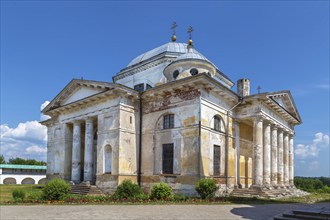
89 119
77 122
258 118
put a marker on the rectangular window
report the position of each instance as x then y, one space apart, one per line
168 121
168 158
139 87
216 160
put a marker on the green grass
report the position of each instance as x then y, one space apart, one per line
7 190
6 196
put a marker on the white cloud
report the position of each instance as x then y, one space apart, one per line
42 116
312 150
27 140
36 149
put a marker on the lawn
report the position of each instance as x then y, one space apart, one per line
6 196
6 191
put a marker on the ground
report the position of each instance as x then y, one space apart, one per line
128 212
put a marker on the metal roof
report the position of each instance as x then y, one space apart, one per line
18 166
180 48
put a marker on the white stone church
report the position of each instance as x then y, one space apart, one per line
171 115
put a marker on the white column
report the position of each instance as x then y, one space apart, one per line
280 158
291 162
274 167
266 151
76 152
257 177
237 146
286 159
88 157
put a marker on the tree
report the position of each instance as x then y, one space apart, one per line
22 161
2 159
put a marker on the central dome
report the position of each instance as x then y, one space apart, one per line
176 48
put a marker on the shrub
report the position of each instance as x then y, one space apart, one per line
18 195
206 188
127 190
55 189
161 191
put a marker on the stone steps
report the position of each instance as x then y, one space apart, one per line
260 193
312 214
83 189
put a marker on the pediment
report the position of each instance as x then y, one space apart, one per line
285 101
81 93
77 90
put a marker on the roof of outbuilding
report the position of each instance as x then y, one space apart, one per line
19 166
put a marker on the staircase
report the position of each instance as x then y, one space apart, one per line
261 193
85 189
312 214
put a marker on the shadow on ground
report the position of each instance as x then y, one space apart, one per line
268 211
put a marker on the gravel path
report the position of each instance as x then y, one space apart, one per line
95 212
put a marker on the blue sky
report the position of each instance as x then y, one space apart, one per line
278 45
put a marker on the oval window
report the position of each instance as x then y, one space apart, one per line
175 74
193 71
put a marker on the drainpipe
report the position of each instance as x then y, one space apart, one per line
199 137
140 143
227 140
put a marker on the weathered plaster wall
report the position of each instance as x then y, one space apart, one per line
246 150
184 136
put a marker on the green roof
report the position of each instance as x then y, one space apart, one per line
18 166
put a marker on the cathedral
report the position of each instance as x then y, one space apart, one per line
171 116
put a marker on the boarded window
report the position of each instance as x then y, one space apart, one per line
168 158
216 160
139 87
168 121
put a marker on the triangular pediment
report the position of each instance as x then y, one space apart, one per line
285 101
77 90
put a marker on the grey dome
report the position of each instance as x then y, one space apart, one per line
172 47
195 56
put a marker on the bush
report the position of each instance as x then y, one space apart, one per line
161 191
206 188
55 189
18 195
127 190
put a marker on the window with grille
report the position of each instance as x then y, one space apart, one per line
216 160
168 121
168 158
139 87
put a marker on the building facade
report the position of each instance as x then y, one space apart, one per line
171 115
22 174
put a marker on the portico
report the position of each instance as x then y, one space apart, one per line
83 156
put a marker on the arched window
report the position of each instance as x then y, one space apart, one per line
218 123
168 121
28 181
107 159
